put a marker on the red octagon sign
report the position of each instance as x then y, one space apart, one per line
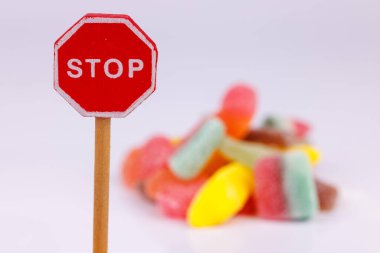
105 65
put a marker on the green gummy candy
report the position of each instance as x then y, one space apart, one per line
246 153
190 159
299 186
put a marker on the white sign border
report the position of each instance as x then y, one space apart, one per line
98 20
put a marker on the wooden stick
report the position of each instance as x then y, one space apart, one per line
101 184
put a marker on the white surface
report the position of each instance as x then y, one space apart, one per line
317 59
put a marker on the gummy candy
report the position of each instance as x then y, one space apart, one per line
285 188
294 127
216 161
222 196
327 195
131 175
299 185
172 195
191 157
248 153
237 110
245 152
223 168
155 155
146 160
270 137
250 207
270 197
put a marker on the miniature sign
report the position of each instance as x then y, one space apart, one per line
105 65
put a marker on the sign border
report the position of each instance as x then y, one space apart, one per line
100 19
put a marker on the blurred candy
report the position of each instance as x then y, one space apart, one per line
142 162
237 109
221 168
172 195
301 128
279 123
250 207
130 168
327 195
285 188
299 186
245 152
222 196
176 141
271 137
294 127
313 154
155 155
216 161
193 155
270 196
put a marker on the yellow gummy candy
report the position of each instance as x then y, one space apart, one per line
222 196
313 154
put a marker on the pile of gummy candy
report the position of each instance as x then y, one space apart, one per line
223 168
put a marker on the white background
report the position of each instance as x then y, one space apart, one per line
318 60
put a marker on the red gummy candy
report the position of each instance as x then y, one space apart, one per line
172 195
271 203
143 162
154 156
237 110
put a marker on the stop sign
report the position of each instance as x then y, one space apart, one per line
105 65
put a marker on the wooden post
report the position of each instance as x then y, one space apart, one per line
101 184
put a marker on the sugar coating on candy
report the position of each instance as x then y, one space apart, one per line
172 195
192 156
237 109
245 153
154 156
131 174
299 186
285 187
271 137
327 195
269 193
142 162
312 153
221 197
